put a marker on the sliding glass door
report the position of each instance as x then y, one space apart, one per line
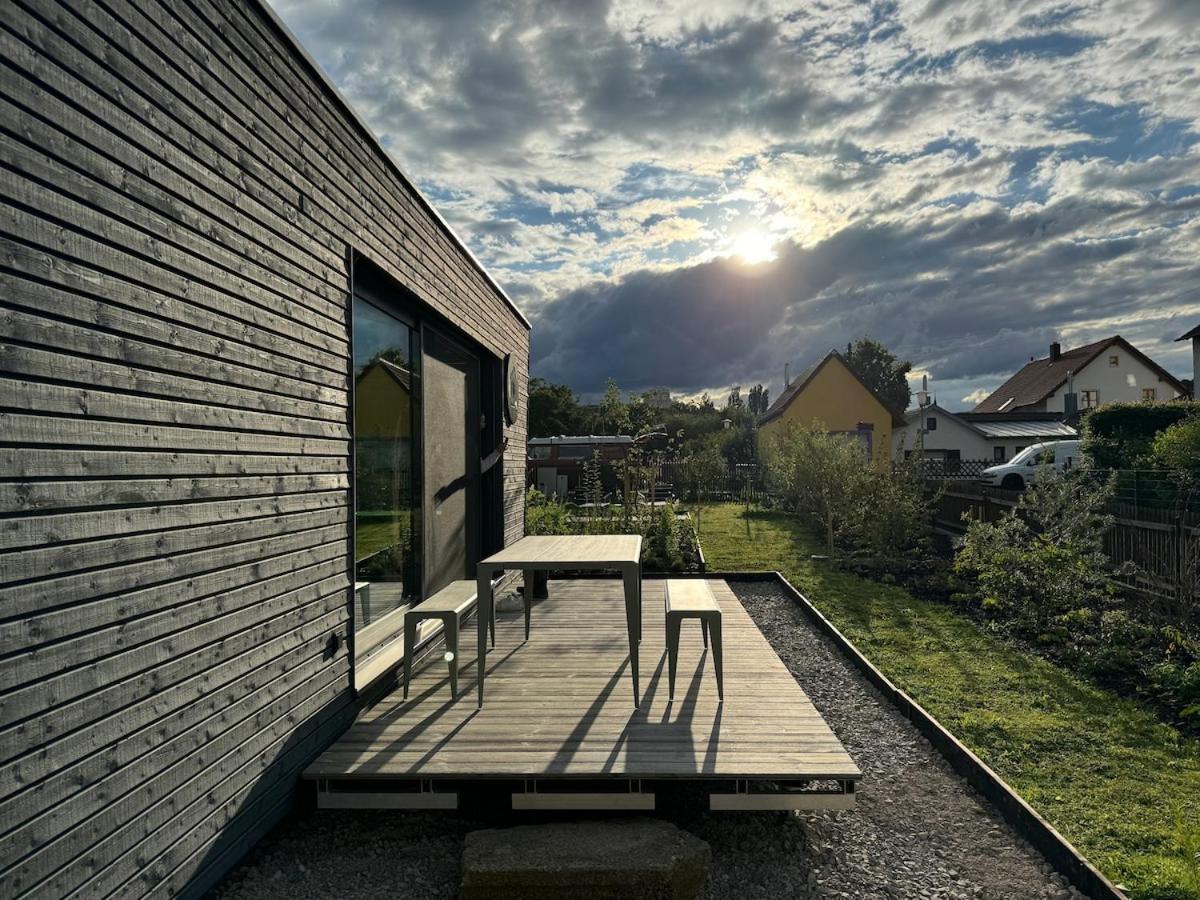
387 453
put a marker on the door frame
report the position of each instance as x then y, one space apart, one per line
474 540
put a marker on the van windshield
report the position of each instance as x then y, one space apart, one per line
1025 455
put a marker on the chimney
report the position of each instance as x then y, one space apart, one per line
1055 351
786 379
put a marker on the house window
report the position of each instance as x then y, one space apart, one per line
998 453
1148 394
1089 399
1114 361
931 424
574 451
1017 449
539 451
387 499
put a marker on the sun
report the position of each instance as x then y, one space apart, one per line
753 246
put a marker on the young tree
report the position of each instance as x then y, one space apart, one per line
613 415
735 398
759 401
881 371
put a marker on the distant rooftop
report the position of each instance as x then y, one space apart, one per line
583 439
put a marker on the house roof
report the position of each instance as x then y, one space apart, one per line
401 376
994 426
1039 378
801 381
582 439
1188 335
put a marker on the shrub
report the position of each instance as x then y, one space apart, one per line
820 476
545 515
1120 435
662 547
1047 558
1177 446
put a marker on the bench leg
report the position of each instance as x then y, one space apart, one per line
527 597
715 626
450 630
673 623
633 624
410 643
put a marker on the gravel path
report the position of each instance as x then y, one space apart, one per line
918 831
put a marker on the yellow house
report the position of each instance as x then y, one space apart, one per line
831 394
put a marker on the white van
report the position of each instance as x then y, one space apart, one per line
1022 469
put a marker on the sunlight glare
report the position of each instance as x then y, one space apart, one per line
753 246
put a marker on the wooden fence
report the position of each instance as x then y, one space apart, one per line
1159 537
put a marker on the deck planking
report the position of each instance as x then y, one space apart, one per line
559 706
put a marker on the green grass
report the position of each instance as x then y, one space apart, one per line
1119 784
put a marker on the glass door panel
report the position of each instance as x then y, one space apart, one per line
387 516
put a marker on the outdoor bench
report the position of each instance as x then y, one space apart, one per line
692 598
450 604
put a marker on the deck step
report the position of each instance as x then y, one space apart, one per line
629 859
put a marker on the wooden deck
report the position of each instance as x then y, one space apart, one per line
559 707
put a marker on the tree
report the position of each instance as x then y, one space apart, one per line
881 371
759 401
735 398
553 409
613 415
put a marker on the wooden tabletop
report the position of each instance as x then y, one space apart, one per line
569 551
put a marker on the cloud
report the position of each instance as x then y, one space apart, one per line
965 181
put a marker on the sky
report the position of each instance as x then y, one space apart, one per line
692 194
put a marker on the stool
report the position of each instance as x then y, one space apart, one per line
692 598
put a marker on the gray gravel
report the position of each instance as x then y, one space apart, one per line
918 831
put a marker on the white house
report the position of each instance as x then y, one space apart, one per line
1108 371
988 436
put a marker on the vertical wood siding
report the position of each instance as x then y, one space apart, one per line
179 195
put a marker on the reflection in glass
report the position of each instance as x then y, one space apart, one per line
386 431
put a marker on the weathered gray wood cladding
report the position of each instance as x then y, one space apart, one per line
180 195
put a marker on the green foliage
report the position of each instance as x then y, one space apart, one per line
612 416
1177 447
702 471
881 371
1121 435
554 410
1120 785
664 536
828 480
760 399
1047 558
545 515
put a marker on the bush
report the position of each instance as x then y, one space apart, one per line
819 476
1177 447
545 515
828 480
1120 435
1047 558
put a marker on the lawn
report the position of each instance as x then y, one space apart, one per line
1120 785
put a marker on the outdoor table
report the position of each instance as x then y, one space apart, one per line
622 552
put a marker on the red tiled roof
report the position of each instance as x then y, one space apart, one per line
1039 378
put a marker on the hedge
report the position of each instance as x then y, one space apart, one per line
1120 435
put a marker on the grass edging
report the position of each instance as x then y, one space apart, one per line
1057 850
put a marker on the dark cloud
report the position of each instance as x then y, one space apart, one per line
970 296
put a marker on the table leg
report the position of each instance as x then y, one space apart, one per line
483 586
633 614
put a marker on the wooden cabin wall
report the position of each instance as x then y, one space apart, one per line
179 197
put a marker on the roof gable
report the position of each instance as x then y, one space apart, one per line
1039 378
801 381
